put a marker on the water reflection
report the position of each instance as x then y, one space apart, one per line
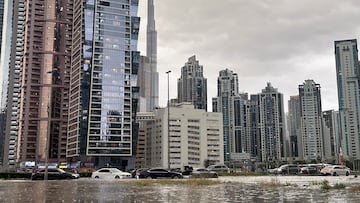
88 190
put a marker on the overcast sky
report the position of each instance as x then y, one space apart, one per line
283 42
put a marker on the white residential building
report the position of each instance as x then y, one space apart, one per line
312 137
196 136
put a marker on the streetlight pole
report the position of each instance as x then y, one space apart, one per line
168 120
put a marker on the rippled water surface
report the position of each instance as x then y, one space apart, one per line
89 190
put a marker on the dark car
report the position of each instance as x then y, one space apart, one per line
288 169
309 170
53 174
159 173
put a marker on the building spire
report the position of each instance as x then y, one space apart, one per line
151 17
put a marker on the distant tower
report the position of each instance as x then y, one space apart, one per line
294 124
192 86
347 73
228 91
272 124
151 53
312 138
331 134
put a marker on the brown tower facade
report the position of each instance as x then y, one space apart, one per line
42 105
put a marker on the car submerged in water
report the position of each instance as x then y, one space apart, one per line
110 173
155 173
53 174
203 173
335 170
288 169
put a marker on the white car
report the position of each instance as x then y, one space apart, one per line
219 168
335 170
110 173
203 173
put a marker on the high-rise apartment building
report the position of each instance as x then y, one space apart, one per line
194 137
192 86
331 132
13 88
271 124
294 121
347 74
228 90
5 45
103 94
37 104
312 138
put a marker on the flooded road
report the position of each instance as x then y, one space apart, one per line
224 189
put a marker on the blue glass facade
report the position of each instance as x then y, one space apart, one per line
109 75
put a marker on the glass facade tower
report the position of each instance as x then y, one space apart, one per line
347 74
103 84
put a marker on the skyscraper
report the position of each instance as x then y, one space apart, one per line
228 90
294 121
271 124
37 104
5 45
13 88
312 137
103 94
192 86
347 74
148 80
151 53
331 132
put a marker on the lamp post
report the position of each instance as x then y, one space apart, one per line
168 120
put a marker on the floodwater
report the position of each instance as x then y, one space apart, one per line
226 189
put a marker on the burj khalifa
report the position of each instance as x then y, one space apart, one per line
148 76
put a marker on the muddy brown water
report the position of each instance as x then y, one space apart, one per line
238 190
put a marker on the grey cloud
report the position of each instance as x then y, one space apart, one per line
281 41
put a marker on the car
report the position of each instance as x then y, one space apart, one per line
53 174
203 173
309 170
219 168
136 172
155 173
288 169
335 170
110 173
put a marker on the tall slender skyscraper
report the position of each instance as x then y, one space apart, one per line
312 137
192 86
103 93
38 82
347 73
151 53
